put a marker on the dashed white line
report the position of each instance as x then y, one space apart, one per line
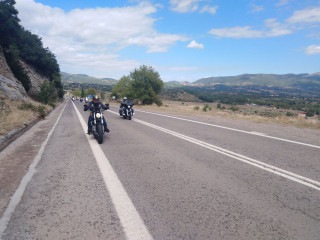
267 167
234 129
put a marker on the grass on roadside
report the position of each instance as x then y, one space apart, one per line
208 110
16 114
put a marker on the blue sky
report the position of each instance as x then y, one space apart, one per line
184 40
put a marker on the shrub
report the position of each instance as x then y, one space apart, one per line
196 108
41 110
234 108
206 106
52 104
28 106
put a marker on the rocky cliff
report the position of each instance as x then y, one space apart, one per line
11 88
36 79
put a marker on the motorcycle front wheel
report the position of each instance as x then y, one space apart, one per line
100 133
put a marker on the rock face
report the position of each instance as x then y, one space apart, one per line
10 87
36 79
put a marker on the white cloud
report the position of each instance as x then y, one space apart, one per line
282 3
309 15
194 44
236 32
272 29
256 8
95 34
313 49
276 29
183 6
209 9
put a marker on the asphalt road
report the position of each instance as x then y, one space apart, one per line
160 177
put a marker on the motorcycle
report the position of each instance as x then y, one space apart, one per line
97 122
126 110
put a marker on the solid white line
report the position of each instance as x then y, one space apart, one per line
130 219
233 129
16 198
267 167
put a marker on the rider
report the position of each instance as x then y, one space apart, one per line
96 104
124 103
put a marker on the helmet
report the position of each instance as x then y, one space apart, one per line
125 98
95 98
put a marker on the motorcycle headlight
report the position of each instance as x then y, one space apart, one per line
98 115
128 106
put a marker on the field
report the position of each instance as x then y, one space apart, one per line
245 112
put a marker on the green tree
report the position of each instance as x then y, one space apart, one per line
103 95
77 92
82 92
123 88
9 23
91 91
147 85
47 93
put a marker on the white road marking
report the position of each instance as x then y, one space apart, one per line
258 133
267 167
130 219
16 198
234 129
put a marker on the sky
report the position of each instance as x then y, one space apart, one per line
183 40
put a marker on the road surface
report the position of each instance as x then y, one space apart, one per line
160 176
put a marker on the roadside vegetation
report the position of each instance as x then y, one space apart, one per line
14 115
143 86
258 114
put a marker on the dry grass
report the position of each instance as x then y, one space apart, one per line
189 108
12 117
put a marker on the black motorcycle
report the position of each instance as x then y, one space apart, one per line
97 122
126 110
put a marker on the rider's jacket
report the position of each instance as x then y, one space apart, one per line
96 106
126 103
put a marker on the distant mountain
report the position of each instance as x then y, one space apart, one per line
83 78
173 84
270 80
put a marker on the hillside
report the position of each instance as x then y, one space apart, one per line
270 80
82 78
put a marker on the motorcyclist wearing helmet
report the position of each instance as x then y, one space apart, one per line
96 104
124 103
